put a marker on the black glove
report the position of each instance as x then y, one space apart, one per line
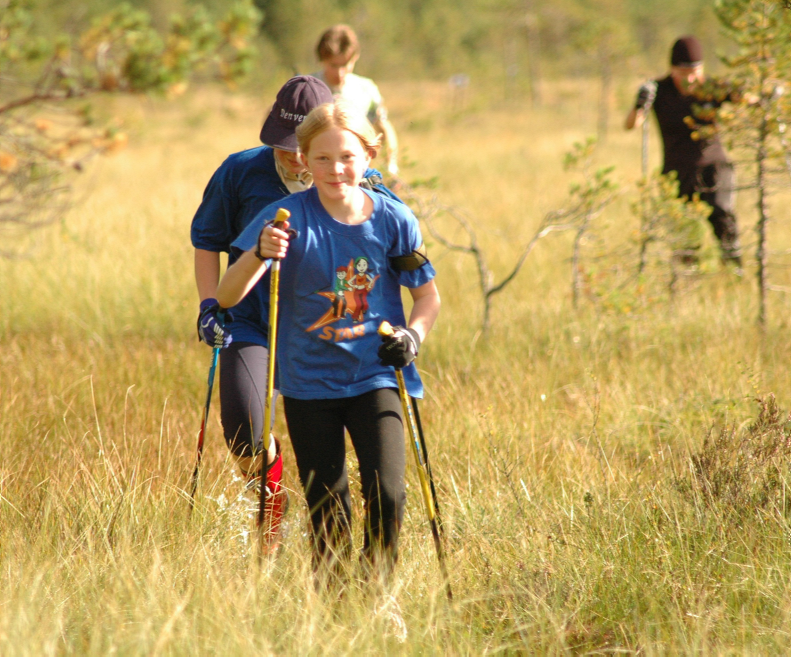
211 326
646 95
400 348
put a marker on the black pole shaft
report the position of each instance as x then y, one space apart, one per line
428 464
202 432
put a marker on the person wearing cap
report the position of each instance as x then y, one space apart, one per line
338 51
242 186
701 164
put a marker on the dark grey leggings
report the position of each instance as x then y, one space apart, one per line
716 184
242 391
316 428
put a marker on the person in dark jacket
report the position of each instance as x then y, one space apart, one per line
701 164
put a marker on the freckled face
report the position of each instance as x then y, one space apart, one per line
337 160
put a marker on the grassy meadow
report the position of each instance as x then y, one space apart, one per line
613 478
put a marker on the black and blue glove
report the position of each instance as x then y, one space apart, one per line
400 348
211 324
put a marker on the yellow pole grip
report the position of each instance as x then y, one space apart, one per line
281 217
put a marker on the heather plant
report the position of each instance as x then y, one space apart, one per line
738 473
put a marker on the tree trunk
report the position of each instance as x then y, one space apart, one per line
763 218
576 282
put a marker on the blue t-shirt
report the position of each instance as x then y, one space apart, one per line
245 184
337 285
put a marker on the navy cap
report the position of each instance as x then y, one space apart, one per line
294 101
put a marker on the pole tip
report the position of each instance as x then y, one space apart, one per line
385 329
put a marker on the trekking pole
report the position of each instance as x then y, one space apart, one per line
274 284
423 471
644 150
201 434
428 466
644 169
646 111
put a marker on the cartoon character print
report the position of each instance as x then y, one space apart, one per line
361 283
340 287
349 295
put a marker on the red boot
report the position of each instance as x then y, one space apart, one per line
276 501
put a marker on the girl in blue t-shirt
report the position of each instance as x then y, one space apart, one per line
334 371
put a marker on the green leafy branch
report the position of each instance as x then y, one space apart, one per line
676 226
47 131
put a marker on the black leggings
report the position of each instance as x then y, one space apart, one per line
374 422
243 368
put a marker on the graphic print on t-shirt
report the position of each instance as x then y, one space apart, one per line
349 294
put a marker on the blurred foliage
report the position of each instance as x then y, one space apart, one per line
416 38
47 127
757 79
754 119
588 198
676 227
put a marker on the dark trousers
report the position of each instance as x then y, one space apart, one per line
243 367
374 423
715 184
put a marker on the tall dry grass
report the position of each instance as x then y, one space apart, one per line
565 443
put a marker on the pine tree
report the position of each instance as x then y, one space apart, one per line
755 125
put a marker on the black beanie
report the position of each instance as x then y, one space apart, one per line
687 51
